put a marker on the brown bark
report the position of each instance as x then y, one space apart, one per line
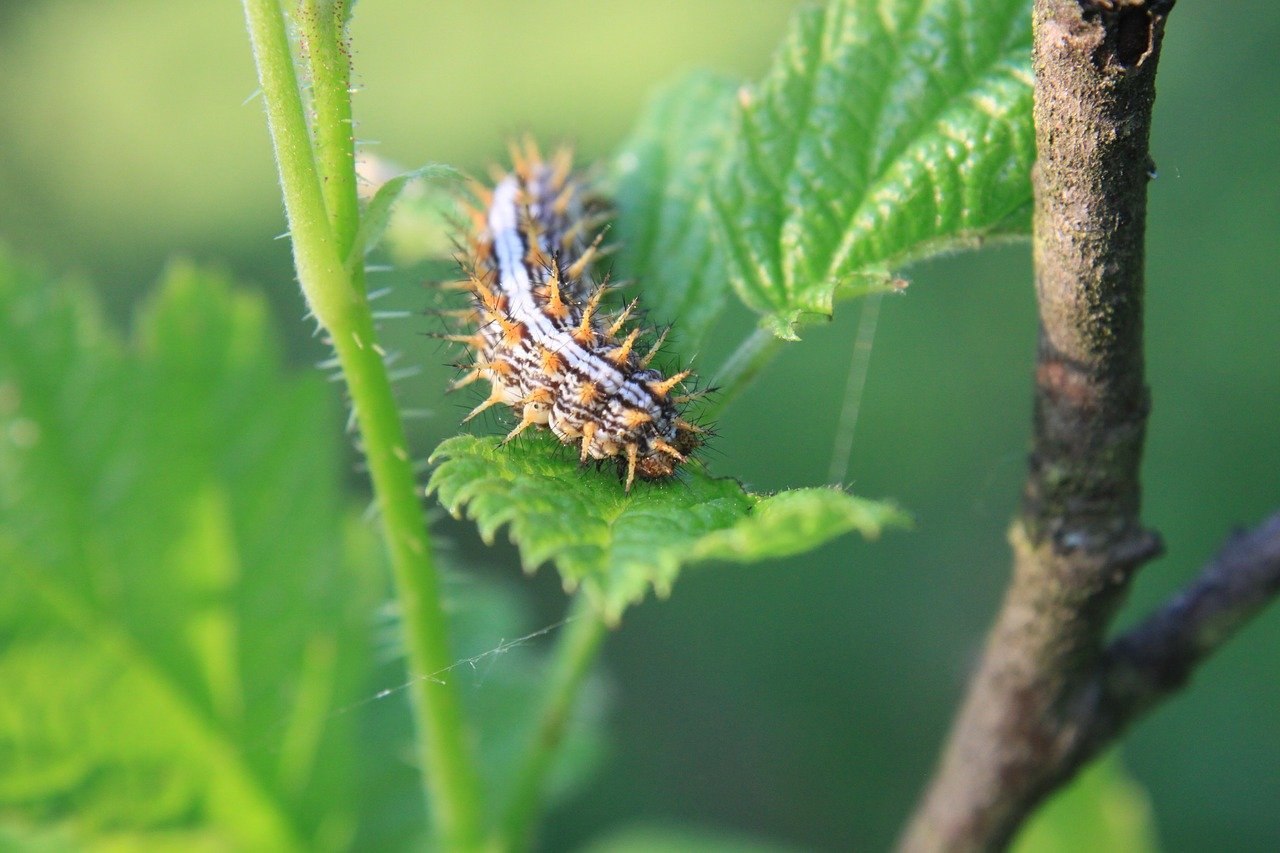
1048 695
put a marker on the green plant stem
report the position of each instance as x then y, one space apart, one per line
575 652
341 308
322 24
743 365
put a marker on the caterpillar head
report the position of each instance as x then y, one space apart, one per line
662 457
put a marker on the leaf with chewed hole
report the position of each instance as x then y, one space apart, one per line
617 546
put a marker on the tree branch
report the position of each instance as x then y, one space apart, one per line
1032 713
1156 658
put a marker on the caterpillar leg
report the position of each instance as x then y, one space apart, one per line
632 451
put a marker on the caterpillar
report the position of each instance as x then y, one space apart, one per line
541 339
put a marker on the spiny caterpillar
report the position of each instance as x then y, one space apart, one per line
542 341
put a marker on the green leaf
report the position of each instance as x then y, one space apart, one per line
658 183
180 615
618 546
376 216
1103 810
791 522
884 132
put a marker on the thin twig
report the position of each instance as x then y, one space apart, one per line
1157 657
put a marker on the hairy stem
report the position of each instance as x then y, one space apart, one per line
327 54
575 652
339 305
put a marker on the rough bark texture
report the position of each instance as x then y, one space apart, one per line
1049 694
1077 542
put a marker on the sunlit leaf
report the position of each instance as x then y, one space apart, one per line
180 615
618 546
885 132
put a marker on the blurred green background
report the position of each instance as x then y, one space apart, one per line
804 701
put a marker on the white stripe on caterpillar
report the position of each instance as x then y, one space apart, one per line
542 343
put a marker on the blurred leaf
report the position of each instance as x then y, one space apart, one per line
617 545
664 218
885 132
376 215
678 839
1102 811
178 618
